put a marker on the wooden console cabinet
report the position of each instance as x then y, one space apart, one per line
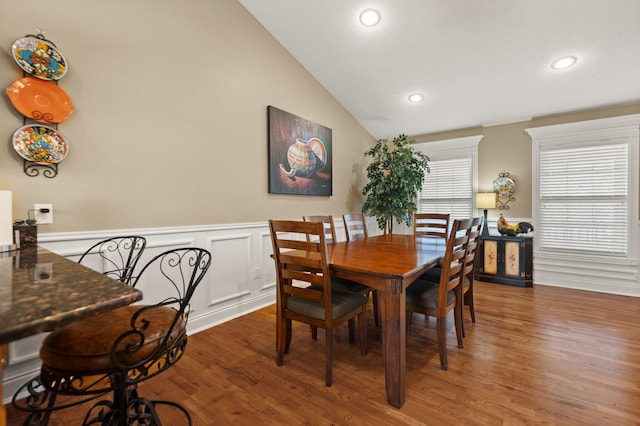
505 260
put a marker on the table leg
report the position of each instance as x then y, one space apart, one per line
392 309
4 348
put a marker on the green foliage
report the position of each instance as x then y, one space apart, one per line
395 177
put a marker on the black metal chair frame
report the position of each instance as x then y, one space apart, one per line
120 254
182 269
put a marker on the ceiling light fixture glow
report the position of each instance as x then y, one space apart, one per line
564 62
415 98
370 17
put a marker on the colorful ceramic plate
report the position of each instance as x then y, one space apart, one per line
504 186
40 144
41 100
318 148
39 58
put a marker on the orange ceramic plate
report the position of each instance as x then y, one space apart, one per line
40 100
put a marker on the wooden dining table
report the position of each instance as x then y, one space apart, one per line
41 290
388 263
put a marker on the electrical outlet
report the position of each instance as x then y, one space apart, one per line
43 218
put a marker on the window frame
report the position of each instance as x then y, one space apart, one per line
451 149
582 134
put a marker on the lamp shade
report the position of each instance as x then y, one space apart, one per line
486 200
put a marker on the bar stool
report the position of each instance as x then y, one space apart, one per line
114 351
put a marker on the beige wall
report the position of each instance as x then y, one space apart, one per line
507 148
170 122
170 119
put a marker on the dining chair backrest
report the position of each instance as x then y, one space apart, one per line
467 276
431 224
310 271
355 226
473 234
329 227
453 265
117 256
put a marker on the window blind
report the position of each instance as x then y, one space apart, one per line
448 188
584 199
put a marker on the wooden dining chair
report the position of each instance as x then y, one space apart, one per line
355 226
437 299
115 257
329 226
433 275
431 224
318 303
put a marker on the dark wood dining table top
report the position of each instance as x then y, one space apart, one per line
399 256
41 290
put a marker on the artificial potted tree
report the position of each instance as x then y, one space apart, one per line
395 177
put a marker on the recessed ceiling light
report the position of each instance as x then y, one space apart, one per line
369 17
564 62
415 98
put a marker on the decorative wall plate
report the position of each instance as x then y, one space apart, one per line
40 144
39 58
40 100
504 186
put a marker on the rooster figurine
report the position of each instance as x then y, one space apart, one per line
505 229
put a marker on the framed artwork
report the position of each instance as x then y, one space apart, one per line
299 155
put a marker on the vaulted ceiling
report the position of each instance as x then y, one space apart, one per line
477 63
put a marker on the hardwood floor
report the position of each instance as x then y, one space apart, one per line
540 355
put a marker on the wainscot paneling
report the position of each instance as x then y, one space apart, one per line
241 279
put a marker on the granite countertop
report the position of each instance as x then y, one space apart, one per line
41 290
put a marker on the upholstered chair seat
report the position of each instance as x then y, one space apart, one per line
425 294
342 302
86 346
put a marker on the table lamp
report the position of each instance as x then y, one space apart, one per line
485 200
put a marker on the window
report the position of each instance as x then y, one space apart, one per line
450 185
448 188
582 191
583 199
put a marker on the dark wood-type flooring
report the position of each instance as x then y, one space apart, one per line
541 355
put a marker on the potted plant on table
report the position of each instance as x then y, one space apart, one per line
395 177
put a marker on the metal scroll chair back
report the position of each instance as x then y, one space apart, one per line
117 256
112 352
355 226
431 224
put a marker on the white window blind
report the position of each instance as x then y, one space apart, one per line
583 199
448 188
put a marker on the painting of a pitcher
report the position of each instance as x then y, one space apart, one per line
299 155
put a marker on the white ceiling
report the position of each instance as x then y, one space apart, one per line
477 62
